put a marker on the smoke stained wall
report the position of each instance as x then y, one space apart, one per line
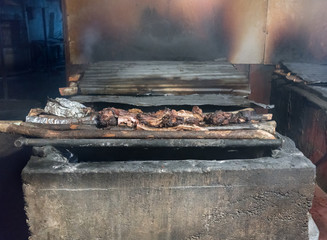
245 32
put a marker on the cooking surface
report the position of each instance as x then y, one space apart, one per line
313 74
160 78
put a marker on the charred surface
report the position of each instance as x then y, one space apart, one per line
259 198
301 114
162 77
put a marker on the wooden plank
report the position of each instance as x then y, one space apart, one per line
170 100
311 96
68 91
74 78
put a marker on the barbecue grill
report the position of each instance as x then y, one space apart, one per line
175 54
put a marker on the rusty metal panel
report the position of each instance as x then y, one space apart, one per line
260 81
246 27
297 31
165 30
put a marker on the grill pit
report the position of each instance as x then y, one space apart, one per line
248 198
164 53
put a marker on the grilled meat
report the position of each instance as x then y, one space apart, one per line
172 118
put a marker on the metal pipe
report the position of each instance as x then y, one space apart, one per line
147 143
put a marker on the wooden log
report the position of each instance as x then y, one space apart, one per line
59 127
288 76
73 84
269 126
5 124
68 91
74 78
139 134
34 112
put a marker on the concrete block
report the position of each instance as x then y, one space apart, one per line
264 198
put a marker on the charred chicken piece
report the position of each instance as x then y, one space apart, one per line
107 118
117 117
172 118
220 118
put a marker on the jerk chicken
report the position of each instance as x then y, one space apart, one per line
135 118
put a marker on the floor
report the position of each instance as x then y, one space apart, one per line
26 91
34 85
31 90
319 212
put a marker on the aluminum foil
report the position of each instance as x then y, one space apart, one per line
63 107
91 120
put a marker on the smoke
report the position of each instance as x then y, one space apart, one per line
90 39
155 38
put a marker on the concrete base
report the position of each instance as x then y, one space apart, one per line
266 198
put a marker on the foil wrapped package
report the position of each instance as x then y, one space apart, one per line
63 107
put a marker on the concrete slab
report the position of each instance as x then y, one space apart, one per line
264 198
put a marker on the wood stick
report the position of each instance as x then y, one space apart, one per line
59 127
139 134
269 127
288 76
74 78
68 91
5 124
266 126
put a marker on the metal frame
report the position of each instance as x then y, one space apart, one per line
146 143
